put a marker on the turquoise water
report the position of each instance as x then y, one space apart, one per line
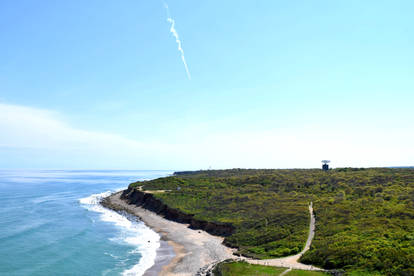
51 224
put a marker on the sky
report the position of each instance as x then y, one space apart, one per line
189 85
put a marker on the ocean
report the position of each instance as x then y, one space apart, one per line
51 224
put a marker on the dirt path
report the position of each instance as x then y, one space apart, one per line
292 261
285 272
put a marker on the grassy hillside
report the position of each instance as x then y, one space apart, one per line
365 217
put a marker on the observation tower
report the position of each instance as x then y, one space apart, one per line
325 165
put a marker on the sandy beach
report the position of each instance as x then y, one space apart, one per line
165 255
193 249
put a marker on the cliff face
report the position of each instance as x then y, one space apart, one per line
149 202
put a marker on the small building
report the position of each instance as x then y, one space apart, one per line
325 165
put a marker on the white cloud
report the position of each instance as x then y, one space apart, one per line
45 137
34 138
304 147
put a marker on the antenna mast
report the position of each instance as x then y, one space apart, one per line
325 165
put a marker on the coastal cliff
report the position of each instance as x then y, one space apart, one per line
150 202
267 213
195 251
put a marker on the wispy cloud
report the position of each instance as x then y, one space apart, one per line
177 39
36 138
32 137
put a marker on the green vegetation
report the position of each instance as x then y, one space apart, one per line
242 268
366 273
296 272
246 269
364 217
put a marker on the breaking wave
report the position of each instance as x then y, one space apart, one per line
131 231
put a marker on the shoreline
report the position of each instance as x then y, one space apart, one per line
193 249
164 255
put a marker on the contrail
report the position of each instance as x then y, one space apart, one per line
177 39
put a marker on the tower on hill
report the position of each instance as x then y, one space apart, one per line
325 165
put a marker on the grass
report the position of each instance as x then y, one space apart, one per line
297 272
246 269
242 268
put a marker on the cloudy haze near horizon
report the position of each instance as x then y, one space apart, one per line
100 85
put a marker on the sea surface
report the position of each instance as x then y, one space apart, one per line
51 224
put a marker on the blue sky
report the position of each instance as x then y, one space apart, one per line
275 84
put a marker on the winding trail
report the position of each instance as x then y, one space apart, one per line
285 272
291 262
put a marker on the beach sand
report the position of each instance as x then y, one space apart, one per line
193 249
165 255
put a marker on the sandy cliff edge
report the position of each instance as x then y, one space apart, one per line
194 249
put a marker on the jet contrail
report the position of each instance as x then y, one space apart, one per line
177 39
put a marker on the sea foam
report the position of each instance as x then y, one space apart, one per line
135 233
